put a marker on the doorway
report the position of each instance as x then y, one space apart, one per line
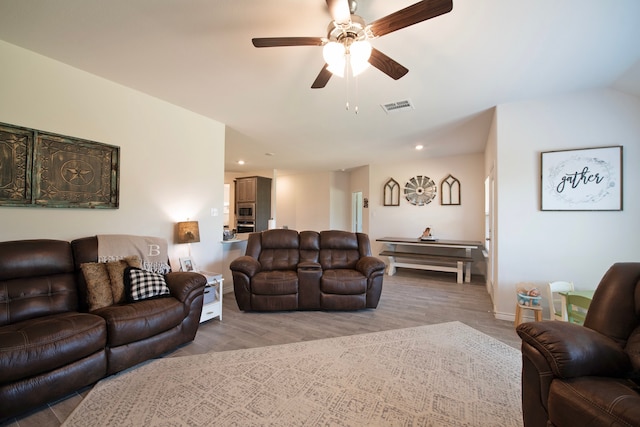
356 211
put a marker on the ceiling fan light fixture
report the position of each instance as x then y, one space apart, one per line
359 53
334 55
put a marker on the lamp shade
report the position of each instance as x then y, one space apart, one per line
336 55
188 232
333 54
360 51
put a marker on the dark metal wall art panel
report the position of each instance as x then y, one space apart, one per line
57 171
16 149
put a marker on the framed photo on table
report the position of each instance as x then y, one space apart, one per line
187 264
587 179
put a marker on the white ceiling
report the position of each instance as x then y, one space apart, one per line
198 54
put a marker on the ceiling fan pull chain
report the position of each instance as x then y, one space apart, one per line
347 72
357 93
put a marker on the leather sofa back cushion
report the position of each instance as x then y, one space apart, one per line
309 246
279 250
279 259
338 249
36 279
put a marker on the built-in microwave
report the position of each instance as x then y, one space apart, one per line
245 226
246 211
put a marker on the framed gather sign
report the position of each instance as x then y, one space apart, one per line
582 180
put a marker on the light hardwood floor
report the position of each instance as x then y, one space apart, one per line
410 298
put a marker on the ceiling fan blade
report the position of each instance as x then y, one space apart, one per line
287 41
408 16
339 10
387 65
322 79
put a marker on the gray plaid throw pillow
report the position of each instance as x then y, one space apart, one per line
143 284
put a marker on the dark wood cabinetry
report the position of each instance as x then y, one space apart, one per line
253 193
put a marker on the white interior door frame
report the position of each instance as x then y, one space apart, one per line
356 211
489 230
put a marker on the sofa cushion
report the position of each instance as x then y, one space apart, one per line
141 285
338 249
105 281
39 345
580 401
99 292
128 323
343 282
279 250
309 246
36 279
116 276
275 283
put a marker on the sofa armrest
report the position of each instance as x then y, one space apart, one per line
574 351
245 264
369 264
184 285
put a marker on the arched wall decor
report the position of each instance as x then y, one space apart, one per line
391 193
450 191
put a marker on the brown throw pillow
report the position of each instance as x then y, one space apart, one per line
98 285
116 275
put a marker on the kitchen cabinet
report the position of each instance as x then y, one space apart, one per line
254 190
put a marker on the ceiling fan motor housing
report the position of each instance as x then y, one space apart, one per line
348 32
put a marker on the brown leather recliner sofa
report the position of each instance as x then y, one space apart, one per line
307 270
587 375
50 346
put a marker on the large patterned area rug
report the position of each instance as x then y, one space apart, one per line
437 375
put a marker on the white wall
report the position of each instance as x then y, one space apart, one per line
340 199
172 160
463 222
303 201
536 246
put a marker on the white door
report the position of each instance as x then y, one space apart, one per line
356 212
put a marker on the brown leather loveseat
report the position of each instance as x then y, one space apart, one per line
50 346
587 375
307 270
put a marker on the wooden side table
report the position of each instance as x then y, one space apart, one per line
212 304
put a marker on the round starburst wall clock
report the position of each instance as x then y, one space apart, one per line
420 190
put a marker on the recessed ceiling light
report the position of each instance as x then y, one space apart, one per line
241 162
269 154
419 147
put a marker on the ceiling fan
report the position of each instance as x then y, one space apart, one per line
348 35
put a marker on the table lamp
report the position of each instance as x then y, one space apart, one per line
188 232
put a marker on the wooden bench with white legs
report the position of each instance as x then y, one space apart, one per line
429 255
433 262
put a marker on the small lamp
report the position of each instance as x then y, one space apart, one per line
188 232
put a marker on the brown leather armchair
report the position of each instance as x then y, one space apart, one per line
287 270
587 375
